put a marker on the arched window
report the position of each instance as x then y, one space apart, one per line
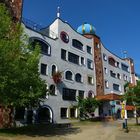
78 78
69 75
45 47
54 69
77 44
111 61
52 89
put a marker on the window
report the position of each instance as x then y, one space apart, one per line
63 54
89 50
73 58
106 84
43 69
72 112
105 70
104 57
125 77
97 45
82 61
77 44
124 67
116 87
52 90
68 75
111 61
89 64
45 48
64 112
64 37
90 94
78 78
112 74
117 64
90 80
54 69
118 76
69 94
81 94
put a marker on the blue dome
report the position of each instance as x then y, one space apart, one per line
86 29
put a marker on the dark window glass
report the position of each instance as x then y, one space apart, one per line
52 89
82 61
63 54
77 44
90 80
53 69
78 78
63 112
68 75
45 48
124 67
89 50
43 69
112 74
69 94
81 94
73 58
89 64
116 87
72 113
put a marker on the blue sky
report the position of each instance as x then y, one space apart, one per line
117 22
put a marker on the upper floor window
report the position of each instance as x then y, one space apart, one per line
97 45
64 37
125 67
73 58
112 74
52 90
90 80
43 69
81 94
118 76
105 70
106 84
78 78
89 50
82 61
63 54
89 64
45 48
104 57
116 87
111 61
69 94
117 64
68 75
54 69
77 44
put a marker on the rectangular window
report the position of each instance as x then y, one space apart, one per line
105 70
116 87
124 67
82 61
72 112
81 94
69 94
73 58
63 54
89 64
63 112
89 50
90 80
112 74
43 69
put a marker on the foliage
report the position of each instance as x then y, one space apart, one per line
20 83
87 106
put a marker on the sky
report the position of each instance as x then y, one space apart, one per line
117 22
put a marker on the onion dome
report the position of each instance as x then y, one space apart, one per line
86 29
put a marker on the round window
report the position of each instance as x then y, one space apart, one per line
64 37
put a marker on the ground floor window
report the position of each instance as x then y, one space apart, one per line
72 112
63 112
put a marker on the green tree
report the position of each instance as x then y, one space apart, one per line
20 83
132 96
87 106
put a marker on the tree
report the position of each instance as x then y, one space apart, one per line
132 96
20 83
87 107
